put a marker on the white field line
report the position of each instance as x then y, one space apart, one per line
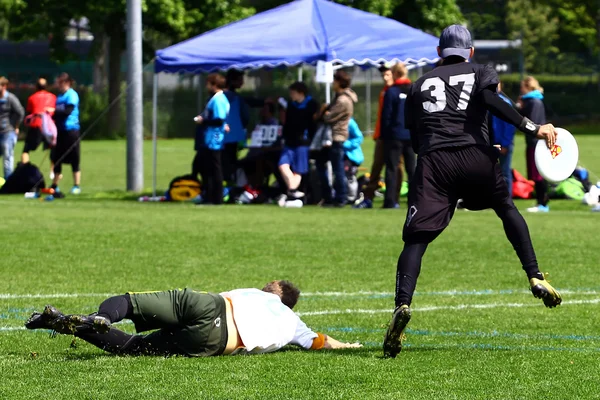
8 296
438 308
387 310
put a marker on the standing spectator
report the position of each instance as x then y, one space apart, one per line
532 107
353 158
237 120
209 143
66 117
504 134
11 116
38 103
377 166
337 115
395 136
298 130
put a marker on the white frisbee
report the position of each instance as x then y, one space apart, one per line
558 163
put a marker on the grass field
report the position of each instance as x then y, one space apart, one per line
476 332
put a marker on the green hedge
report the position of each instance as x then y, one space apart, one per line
567 97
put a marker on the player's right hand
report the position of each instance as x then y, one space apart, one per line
547 133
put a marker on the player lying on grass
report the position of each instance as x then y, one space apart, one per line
446 112
195 324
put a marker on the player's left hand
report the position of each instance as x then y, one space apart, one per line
227 128
547 133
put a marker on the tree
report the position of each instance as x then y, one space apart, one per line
164 21
485 18
534 23
428 15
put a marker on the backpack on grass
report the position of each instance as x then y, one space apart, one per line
522 188
184 188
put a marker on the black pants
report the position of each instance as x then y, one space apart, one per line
392 150
67 151
229 161
209 162
441 178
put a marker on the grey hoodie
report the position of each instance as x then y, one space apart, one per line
340 112
11 113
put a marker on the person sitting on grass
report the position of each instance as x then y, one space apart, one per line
194 324
298 130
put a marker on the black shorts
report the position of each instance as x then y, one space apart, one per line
67 149
442 178
33 139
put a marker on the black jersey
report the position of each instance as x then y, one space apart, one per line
442 109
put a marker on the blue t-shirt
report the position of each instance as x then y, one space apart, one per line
237 132
68 98
217 108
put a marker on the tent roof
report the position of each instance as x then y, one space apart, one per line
303 31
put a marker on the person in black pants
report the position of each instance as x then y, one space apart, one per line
209 141
532 107
395 135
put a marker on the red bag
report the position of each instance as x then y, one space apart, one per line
522 188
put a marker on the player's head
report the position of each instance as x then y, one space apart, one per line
386 73
235 79
3 85
41 84
287 292
530 84
64 82
341 80
455 40
298 91
215 82
399 71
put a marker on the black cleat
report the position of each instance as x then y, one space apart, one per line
541 289
394 337
67 324
44 319
70 324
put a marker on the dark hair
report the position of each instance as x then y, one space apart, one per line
233 75
286 290
343 79
216 80
299 87
384 67
65 77
41 84
270 106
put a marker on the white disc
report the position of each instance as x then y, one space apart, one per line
558 163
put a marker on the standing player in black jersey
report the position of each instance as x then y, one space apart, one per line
446 113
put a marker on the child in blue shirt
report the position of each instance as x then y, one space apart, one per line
354 157
209 140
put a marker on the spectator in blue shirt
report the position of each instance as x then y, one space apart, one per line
504 134
354 157
66 117
209 140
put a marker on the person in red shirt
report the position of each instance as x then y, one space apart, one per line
38 103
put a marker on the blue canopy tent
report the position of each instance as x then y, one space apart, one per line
297 33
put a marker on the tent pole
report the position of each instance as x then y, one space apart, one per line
327 93
368 100
300 73
154 131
